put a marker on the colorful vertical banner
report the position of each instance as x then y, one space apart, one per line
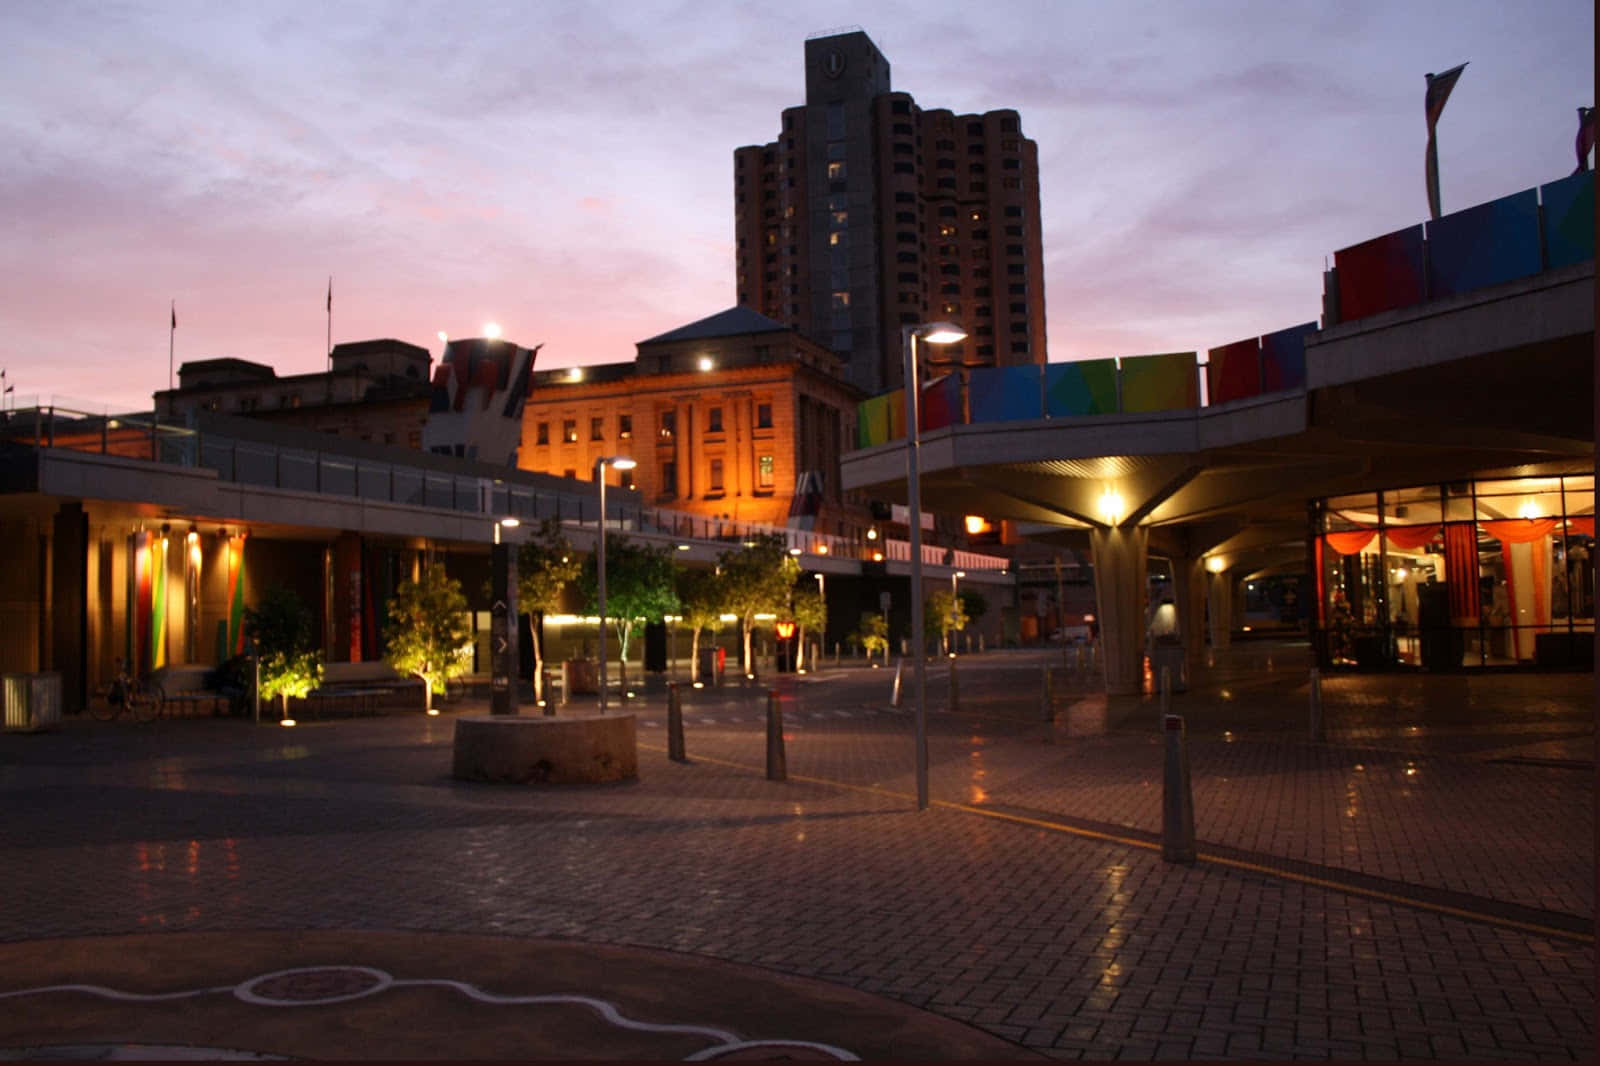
158 602
236 595
139 617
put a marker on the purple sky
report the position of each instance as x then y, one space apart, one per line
566 169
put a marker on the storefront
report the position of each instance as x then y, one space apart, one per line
1462 575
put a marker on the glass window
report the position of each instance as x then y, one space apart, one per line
716 475
569 430
763 416
669 478
836 170
714 420
624 427
764 472
542 433
669 424
597 428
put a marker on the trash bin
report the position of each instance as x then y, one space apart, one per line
706 669
32 701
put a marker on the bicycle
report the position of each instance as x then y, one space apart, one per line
140 697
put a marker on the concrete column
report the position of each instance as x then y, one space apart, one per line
1221 603
1190 577
69 598
1119 554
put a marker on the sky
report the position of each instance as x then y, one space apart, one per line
566 169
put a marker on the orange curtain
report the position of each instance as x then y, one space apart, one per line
1461 570
1520 530
1410 538
1350 541
1583 525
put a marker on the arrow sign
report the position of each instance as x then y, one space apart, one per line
500 644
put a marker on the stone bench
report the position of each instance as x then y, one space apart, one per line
531 750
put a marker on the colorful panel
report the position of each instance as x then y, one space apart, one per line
941 403
1233 371
872 421
1484 245
1283 358
1381 274
1004 394
1568 220
1083 388
895 414
1160 382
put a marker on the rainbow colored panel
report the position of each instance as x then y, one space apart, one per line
1160 382
1233 371
872 422
1083 388
941 403
1484 245
1381 274
895 413
1283 358
1005 394
1568 220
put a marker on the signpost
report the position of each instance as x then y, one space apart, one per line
503 631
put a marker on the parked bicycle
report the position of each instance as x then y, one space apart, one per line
140 697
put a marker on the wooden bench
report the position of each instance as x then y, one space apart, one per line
367 687
187 688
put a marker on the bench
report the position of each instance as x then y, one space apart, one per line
188 687
366 687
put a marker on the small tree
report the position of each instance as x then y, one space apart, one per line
640 586
546 565
756 580
809 613
700 603
873 633
942 616
428 629
280 628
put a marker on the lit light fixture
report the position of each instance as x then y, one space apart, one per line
288 723
1111 506
444 338
510 522
872 534
975 524
683 547
699 684
706 363
491 330
1215 564
795 551
877 557
433 712
822 549
575 373
1528 510
1401 574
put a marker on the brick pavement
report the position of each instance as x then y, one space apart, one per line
1068 945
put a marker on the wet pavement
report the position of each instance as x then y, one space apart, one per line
1419 882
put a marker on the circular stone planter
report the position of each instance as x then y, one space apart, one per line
516 750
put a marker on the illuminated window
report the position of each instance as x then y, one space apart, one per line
764 472
841 300
716 476
569 430
624 426
839 219
597 428
669 424
836 170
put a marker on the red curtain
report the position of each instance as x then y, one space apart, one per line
1461 569
1410 538
1350 541
1520 530
1583 525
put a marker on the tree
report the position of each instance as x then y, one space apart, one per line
546 565
427 631
873 633
942 615
280 628
807 610
756 580
701 605
640 586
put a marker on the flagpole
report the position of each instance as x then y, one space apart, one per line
172 333
330 322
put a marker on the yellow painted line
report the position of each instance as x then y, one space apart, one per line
1220 860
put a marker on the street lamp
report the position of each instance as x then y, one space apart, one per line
930 333
618 462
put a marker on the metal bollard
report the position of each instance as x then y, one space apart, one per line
894 698
777 765
549 699
1316 704
675 724
955 688
1077 658
1047 699
1166 694
1177 801
566 683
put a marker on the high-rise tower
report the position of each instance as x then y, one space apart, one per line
869 213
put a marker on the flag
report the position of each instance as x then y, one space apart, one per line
330 296
174 316
1585 142
1439 86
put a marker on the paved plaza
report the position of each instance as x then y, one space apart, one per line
1419 883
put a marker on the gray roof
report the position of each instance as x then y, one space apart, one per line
733 322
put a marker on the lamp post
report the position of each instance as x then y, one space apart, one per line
822 638
502 623
931 333
618 462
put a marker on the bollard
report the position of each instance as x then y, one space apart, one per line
905 646
894 698
675 724
836 653
777 765
980 643
1047 700
955 689
566 684
1177 802
549 700
1316 704
1077 658
1166 695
